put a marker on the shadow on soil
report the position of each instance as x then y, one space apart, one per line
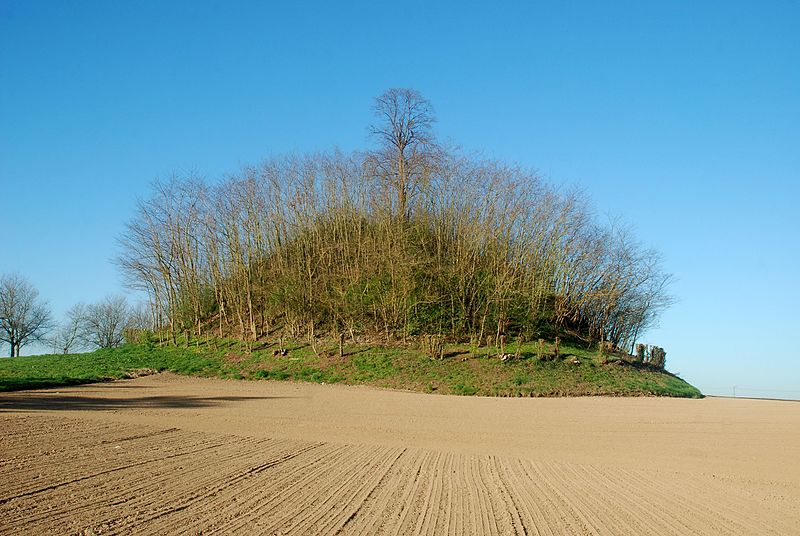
50 401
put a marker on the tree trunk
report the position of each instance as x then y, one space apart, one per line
402 187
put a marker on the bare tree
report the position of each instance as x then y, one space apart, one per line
405 132
104 322
23 318
67 336
139 325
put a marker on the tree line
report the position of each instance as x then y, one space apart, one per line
26 319
405 239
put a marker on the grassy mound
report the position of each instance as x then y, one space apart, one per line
463 371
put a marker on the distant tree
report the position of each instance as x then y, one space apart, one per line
23 318
104 322
67 336
139 324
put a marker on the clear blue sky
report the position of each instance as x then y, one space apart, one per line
681 117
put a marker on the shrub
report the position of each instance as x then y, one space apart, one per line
641 353
433 345
658 357
540 350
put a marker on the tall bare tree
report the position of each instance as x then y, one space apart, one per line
407 144
23 318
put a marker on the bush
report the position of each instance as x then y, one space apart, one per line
658 357
540 350
641 353
433 346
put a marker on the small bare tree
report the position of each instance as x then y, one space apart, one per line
139 323
67 336
105 321
23 318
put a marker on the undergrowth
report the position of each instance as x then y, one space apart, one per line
464 370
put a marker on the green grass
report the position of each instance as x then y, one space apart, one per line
467 371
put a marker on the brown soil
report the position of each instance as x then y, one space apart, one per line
166 454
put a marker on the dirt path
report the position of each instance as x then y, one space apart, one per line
168 454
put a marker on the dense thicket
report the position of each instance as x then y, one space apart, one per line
403 240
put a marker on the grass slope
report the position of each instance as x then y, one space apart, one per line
464 371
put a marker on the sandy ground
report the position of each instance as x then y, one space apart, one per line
167 454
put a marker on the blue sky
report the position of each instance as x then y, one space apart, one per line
683 118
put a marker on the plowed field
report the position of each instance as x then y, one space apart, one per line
167 454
